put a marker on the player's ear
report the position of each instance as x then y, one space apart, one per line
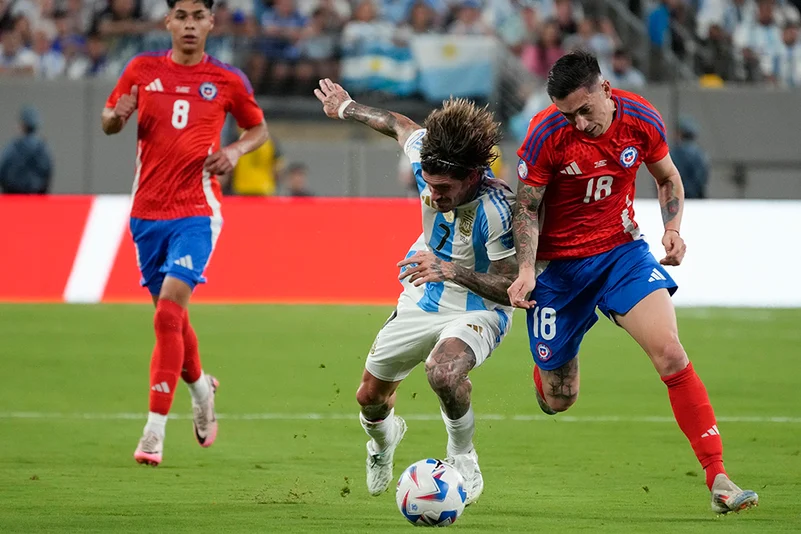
167 19
211 20
607 87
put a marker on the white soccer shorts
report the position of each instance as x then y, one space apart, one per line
410 334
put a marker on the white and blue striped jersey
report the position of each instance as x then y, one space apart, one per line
472 235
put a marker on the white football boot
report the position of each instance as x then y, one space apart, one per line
467 466
379 464
204 421
728 497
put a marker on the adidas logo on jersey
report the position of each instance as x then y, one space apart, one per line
186 261
572 169
155 86
656 275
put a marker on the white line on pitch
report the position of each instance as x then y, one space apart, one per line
411 417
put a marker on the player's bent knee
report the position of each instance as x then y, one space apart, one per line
368 395
670 358
444 377
561 403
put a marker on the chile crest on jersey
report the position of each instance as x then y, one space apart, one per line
208 90
629 156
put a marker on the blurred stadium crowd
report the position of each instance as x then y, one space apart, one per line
285 45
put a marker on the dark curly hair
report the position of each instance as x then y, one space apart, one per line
459 139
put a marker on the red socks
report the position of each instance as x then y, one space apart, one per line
168 355
694 414
192 370
538 381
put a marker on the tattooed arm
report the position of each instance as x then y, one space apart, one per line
492 285
337 103
526 228
425 267
671 200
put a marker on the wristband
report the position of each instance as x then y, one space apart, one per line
342 106
672 230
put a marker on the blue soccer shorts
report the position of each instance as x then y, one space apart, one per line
180 248
568 291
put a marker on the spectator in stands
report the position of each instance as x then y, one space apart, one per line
786 68
122 18
421 21
710 79
598 37
220 42
547 9
468 20
256 173
538 57
399 12
14 58
76 64
725 15
79 15
719 62
622 74
296 179
505 16
690 160
277 52
25 164
566 17
758 43
50 62
95 63
318 47
660 32
366 30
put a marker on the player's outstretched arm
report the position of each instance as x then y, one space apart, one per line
337 103
671 199
425 267
114 119
526 229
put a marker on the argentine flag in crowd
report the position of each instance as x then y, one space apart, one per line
462 66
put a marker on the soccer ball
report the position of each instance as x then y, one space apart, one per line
431 493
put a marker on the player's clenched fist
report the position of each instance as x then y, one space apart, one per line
332 95
223 161
674 248
126 104
521 289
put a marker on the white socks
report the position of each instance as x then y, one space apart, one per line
156 423
200 390
460 432
382 432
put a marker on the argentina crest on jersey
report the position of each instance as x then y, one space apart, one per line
208 90
629 156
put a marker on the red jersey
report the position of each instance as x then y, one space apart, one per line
181 110
587 207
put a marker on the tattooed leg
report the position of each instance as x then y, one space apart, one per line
447 369
561 386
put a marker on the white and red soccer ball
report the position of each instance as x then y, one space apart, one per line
431 493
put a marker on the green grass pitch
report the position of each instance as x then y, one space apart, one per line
290 453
